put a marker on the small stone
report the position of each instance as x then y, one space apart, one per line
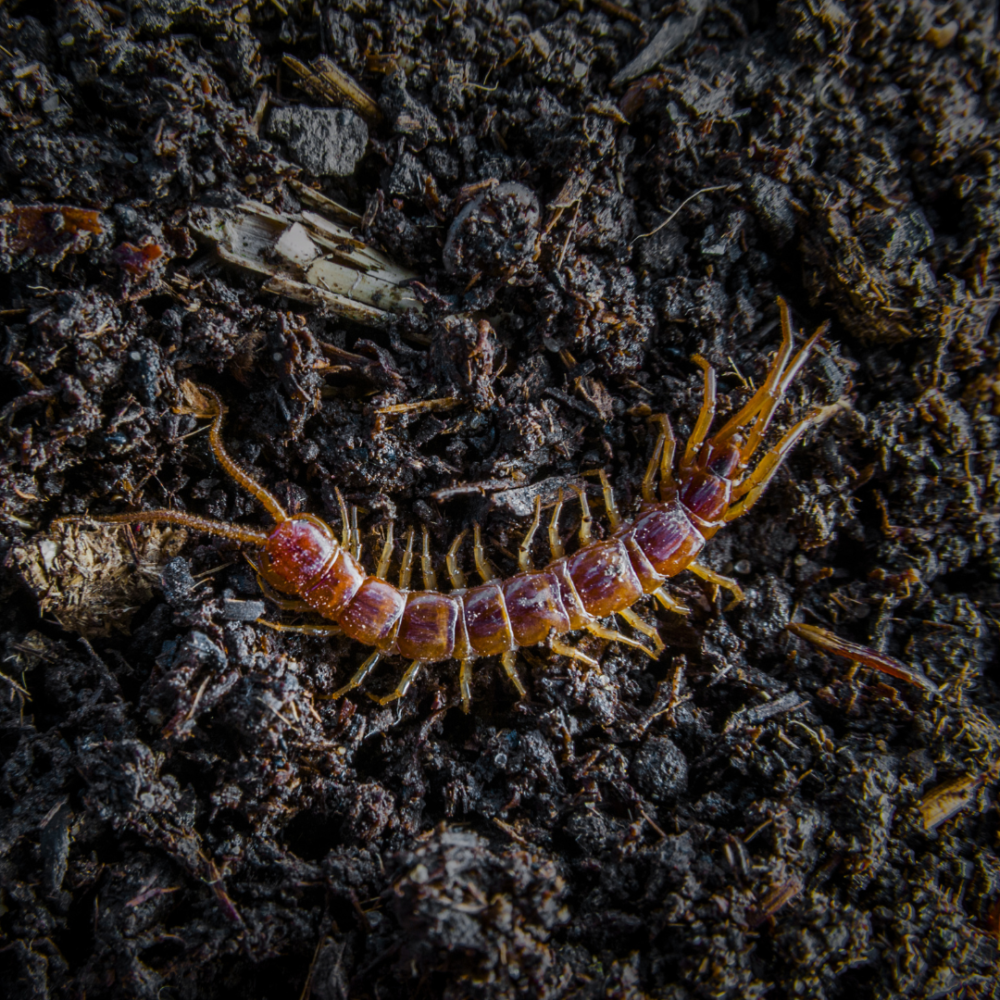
660 769
327 143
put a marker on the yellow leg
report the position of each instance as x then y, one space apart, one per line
555 542
563 649
644 627
406 566
285 603
595 628
465 684
360 674
663 454
482 563
718 580
507 659
585 519
301 629
671 603
345 521
705 417
426 566
355 534
524 551
614 518
402 687
455 574
383 564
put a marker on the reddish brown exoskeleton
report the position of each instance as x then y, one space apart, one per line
703 489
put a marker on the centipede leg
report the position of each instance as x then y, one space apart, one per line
644 627
524 551
301 629
751 488
564 649
359 675
402 687
585 519
465 684
426 566
595 628
455 574
507 659
355 534
705 416
663 455
285 603
406 566
482 563
555 542
345 521
614 518
718 580
382 572
670 603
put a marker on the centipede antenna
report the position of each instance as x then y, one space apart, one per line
555 542
426 565
465 684
455 574
233 470
614 517
206 525
508 659
705 416
482 563
383 563
355 534
524 551
406 565
345 520
585 519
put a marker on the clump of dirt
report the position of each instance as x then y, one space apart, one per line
588 195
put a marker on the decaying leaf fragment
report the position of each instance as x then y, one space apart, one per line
948 799
90 579
27 231
831 643
311 258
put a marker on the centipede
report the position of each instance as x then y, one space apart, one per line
711 481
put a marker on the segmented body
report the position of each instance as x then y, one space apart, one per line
699 492
570 593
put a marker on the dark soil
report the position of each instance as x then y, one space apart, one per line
183 814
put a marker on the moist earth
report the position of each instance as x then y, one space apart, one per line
589 194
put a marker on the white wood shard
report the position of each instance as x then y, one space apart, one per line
311 257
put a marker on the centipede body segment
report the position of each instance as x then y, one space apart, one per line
303 565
